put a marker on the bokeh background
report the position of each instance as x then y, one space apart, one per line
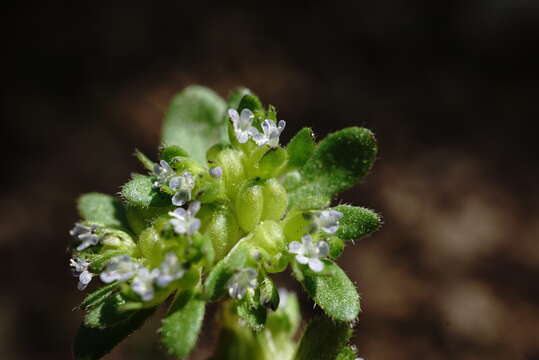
449 87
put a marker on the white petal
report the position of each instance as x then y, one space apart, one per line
194 207
242 136
281 125
246 118
195 225
294 247
175 183
234 116
307 240
179 213
316 265
323 248
302 259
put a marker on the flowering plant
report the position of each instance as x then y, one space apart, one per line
223 208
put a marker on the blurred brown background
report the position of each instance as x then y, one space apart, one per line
450 89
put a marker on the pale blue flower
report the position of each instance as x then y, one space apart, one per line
243 281
184 221
327 221
242 124
183 186
163 172
143 283
216 172
79 268
86 235
170 269
120 268
309 253
270 134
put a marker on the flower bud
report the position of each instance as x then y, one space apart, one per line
221 227
249 205
230 162
275 200
272 163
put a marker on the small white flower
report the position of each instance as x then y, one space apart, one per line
271 133
163 172
86 234
241 282
183 186
79 268
242 124
169 270
184 221
143 282
327 220
216 172
309 253
119 268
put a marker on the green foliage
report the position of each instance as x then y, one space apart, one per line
195 121
169 153
217 223
235 97
253 314
94 343
330 289
323 339
357 222
347 353
98 295
339 162
102 208
139 192
301 148
180 328
106 312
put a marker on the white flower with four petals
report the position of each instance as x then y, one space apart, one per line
309 253
184 221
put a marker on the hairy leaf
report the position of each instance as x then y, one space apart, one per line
330 289
102 208
99 295
253 314
235 97
195 121
301 148
357 222
94 343
140 193
181 327
323 339
339 161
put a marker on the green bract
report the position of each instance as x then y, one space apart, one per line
222 207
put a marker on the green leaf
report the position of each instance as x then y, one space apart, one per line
339 162
323 339
301 148
98 295
235 97
330 289
181 327
357 222
195 121
347 353
269 296
140 193
103 209
287 318
215 285
168 153
106 313
144 160
251 102
94 343
253 314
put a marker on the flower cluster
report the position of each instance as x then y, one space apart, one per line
215 220
243 127
309 252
